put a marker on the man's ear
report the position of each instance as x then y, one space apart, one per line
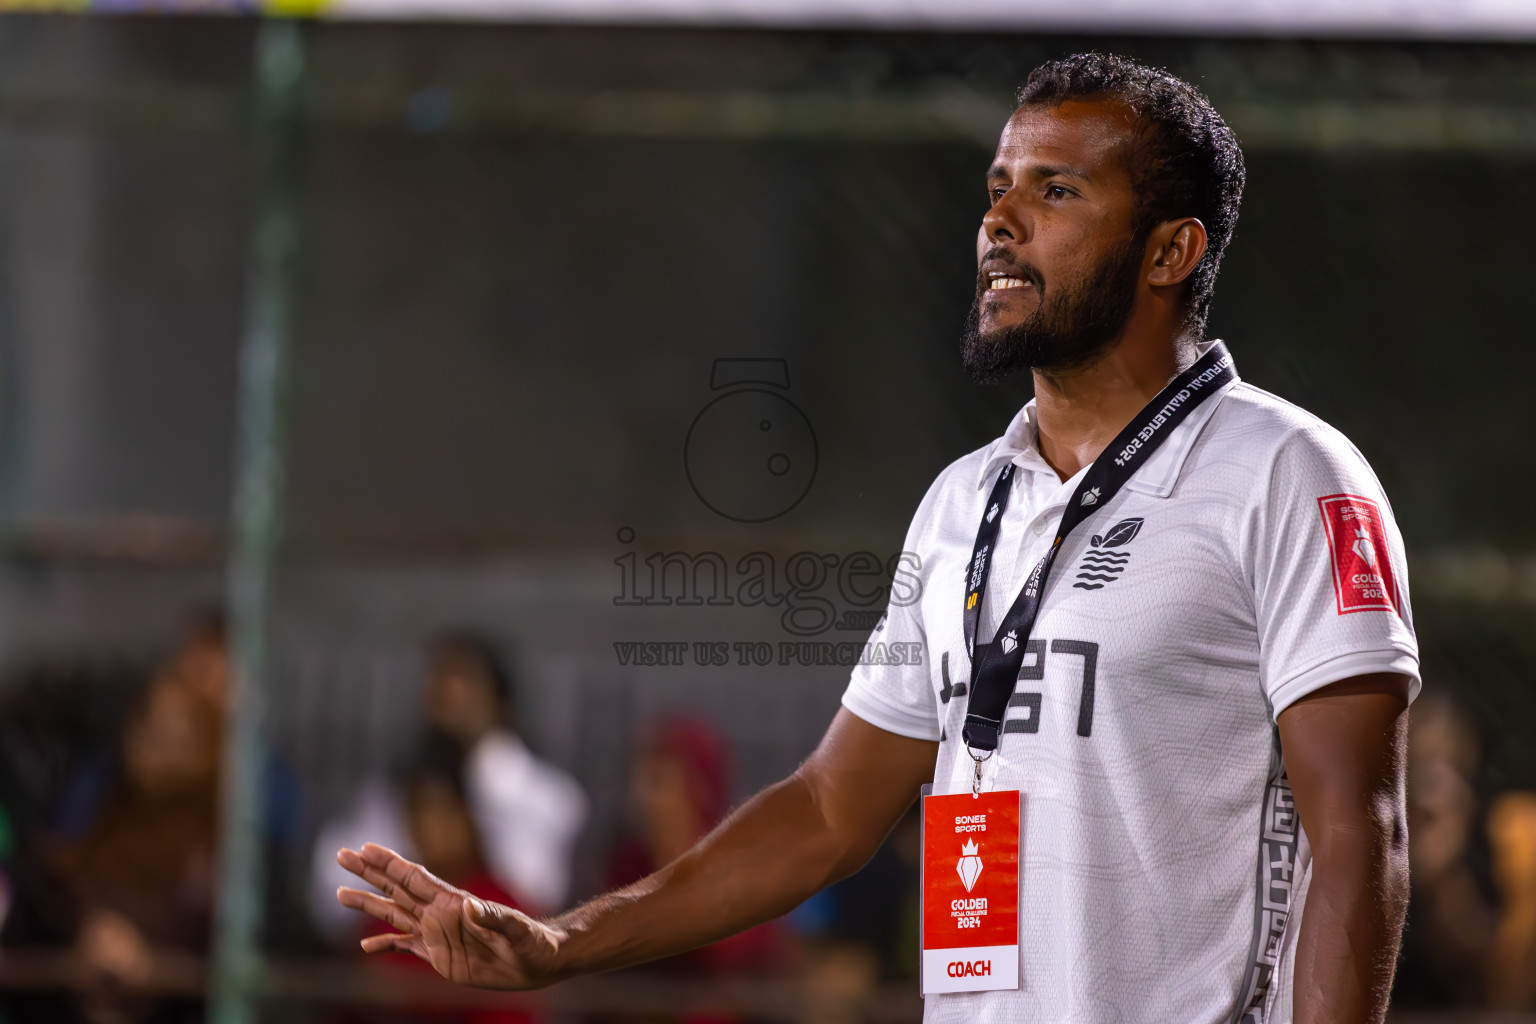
1177 248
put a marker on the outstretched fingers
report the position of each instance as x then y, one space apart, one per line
394 944
398 917
354 862
462 937
403 875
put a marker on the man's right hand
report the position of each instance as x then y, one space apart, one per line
790 840
465 939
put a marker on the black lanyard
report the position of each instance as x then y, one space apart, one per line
995 666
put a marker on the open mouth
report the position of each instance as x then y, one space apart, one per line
998 281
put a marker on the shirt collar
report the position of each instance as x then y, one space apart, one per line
1020 446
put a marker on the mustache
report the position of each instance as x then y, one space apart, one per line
1028 271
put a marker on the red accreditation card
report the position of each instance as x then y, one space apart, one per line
971 892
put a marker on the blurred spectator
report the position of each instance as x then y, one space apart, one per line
202 662
863 930
58 722
143 875
118 854
1451 913
873 915
527 813
1512 962
442 828
201 667
681 788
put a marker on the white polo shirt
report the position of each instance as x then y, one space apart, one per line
1252 560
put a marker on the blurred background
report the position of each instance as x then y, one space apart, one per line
375 392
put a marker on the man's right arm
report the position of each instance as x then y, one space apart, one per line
786 843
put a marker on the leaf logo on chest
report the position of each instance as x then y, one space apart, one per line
1119 535
1102 563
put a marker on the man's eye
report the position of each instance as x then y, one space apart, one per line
997 192
1057 192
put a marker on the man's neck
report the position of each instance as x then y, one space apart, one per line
1079 411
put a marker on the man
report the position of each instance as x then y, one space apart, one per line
1241 594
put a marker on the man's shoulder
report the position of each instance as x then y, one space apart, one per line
965 472
956 482
1261 426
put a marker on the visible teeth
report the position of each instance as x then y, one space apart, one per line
999 283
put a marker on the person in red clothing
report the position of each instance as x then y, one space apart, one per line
680 789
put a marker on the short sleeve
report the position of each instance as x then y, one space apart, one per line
896 697
1330 578
899 697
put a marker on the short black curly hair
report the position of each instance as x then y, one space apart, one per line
1187 163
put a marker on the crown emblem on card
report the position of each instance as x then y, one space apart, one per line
969 865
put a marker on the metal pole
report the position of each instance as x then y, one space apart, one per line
257 518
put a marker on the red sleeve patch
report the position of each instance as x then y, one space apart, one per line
1357 543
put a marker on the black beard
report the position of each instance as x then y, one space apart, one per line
1068 329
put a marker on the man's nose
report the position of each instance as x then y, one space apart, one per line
1007 220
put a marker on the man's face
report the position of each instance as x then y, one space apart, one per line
1058 261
